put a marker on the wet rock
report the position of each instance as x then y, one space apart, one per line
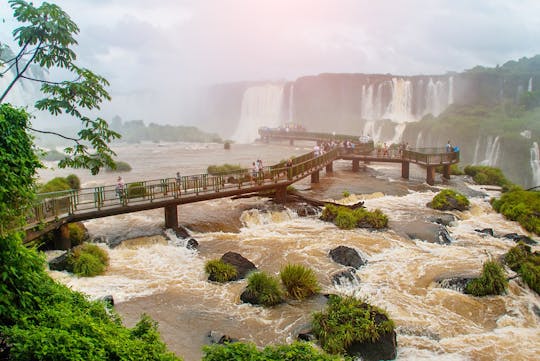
307 336
219 338
347 256
345 276
192 244
304 210
536 310
488 231
457 283
444 219
243 265
425 231
520 238
60 263
249 297
445 237
108 299
384 349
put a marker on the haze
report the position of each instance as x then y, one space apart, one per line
158 56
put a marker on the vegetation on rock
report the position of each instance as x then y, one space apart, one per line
346 218
220 271
264 289
120 166
448 199
77 233
492 281
487 175
88 260
223 169
136 190
299 281
347 320
526 263
521 206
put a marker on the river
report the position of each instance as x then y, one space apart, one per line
159 276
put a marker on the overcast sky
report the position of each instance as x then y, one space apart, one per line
156 54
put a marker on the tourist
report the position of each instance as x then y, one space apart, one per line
449 147
254 170
178 180
120 188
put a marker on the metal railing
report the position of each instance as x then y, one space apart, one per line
430 156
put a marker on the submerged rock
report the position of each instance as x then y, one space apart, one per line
347 256
345 276
520 238
192 244
488 231
444 219
215 337
243 265
457 283
60 263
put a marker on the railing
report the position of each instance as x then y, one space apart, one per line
57 205
430 156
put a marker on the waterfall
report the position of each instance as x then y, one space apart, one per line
400 107
529 87
437 97
476 151
398 133
419 140
492 152
535 164
261 106
450 90
22 93
373 129
291 104
368 112
378 103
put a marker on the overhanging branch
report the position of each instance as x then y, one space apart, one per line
54 133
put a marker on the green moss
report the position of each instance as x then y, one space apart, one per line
346 218
527 264
347 320
264 288
224 168
299 281
220 271
88 260
521 206
487 175
448 199
492 281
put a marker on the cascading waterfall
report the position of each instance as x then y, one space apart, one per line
373 129
492 152
419 139
530 86
400 107
437 97
261 106
22 93
476 151
368 112
535 164
450 90
291 104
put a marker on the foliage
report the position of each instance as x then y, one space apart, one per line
527 264
136 190
120 166
73 181
487 175
297 351
43 320
18 163
55 185
264 288
492 281
224 168
448 199
521 206
346 218
220 271
454 169
346 194
77 233
53 156
347 320
88 260
45 39
299 281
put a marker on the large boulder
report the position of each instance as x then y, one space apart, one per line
444 219
384 349
347 256
192 244
344 277
243 265
520 238
456 283
60 263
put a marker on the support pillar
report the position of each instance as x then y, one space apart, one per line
315 177
446 171
61 238
430 176
281 195
355 165
330 167
405 170
171 216
291 141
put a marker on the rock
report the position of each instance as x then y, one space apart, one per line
243 265
488 231
345 276
219 338
306 336
181 232
305 210
536 310
60 263
384 349
457 283
445 219
249 297
108 299
520 238
444 236
425 231
192 244
347 256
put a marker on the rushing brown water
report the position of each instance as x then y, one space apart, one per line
159 276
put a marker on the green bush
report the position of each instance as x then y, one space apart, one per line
220 271
448 199
347 320
521 206
55 185
487 175
88 260
370 219
77 233
224 168
121 166
527 264
136 190
492 281
73 181
264 288
346 218
53 156
530 273
346 194
517 255
299 281
297 351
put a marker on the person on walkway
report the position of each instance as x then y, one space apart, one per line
120 188
385 150
449 147
254 170
178 180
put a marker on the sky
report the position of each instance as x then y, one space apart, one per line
158 55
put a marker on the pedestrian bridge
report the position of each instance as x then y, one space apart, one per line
54 210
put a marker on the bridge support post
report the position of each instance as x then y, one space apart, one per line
315 177
291 141
430 176
355 165
446 171
171 216
405 170
330 167
61 238
281 195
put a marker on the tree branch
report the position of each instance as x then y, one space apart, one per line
20 72
54 133
48 81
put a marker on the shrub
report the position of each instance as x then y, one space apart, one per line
346 194
299 281
346 218
487 175
448 199
371 219
73 181
55 185
136 190
492 281
521 206
220 271
77 233
347 320
454 169
530 273
527 264
88 260
517 255
264 289
224 168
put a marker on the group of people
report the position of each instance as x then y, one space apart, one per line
450 148
257 168
389 150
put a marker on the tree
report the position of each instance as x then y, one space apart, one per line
45 39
